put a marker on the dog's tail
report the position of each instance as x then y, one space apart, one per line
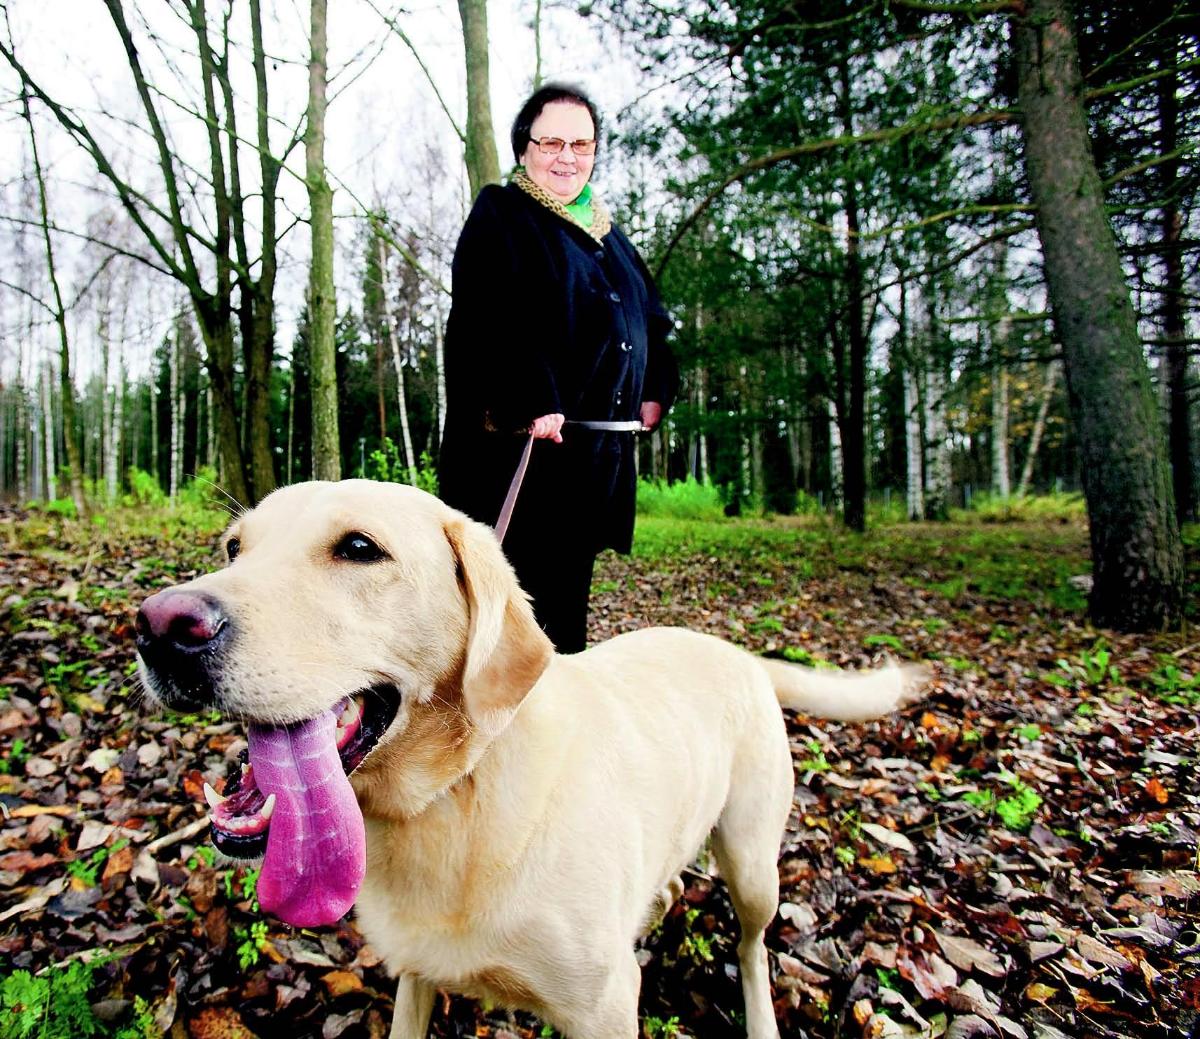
846 696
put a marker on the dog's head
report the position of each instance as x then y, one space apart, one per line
358 627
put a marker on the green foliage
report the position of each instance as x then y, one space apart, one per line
144 489
816 761
657 1028
696 946
1029 733
891 641
888 979
58 507
54 1005
385 464
1172 685
1093 670
1042 508
17 755
250 887
1016 810
252 942
684 499
87 870
143 1025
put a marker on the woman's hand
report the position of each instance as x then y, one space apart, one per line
548 427
651 413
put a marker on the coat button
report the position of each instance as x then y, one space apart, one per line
617 398
626 347
600 254
615 297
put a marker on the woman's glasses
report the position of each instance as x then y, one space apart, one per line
554 145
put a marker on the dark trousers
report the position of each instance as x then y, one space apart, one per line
557 575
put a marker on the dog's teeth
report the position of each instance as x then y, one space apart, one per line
268 808
212 797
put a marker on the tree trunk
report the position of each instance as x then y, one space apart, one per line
439 360
259 346
483 165
1173 323
326 454
1001 486
937 445
66 386
914 448
854 427
1039 427
398 363
1137 558
176 417
48 434
291 425
117 434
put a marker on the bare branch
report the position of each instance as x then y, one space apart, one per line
392 24
764 162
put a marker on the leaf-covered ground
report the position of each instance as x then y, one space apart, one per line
1015 856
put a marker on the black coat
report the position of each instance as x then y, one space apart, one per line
545 319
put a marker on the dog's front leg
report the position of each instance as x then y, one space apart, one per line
414 1005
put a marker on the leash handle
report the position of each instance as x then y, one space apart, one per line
510 499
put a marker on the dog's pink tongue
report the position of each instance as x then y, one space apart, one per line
316 845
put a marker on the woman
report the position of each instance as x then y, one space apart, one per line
555 320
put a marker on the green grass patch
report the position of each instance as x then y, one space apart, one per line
1039 508
684 499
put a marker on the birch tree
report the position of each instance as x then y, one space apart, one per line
326 453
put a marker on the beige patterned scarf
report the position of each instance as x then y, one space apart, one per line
601 221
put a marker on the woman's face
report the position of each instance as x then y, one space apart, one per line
565 174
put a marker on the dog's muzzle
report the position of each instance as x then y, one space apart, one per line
180 637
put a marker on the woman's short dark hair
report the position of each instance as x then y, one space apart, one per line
545 95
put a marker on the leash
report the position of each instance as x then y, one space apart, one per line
510 499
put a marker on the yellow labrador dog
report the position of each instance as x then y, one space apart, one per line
505 821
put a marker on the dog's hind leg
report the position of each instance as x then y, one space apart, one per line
746 843
753 882
414 1005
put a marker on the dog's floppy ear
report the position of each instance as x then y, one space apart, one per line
506 650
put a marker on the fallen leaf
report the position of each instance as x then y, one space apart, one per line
890 838
1095 951
339 982
879 864
968 954
51 890
29 811
26 862
102 759
218 1023
1157 791
93 835
120 861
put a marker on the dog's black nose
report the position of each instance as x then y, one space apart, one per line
179 623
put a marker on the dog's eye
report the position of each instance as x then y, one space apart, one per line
232 547
358 548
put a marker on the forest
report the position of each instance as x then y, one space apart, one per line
853 214
932 267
